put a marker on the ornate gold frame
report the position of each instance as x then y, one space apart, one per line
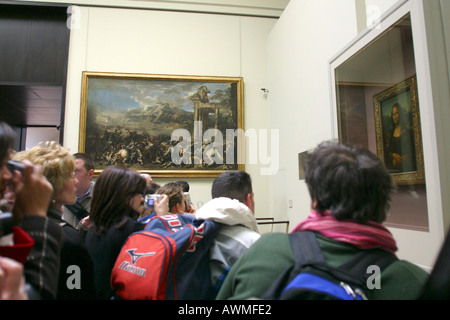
235 106
383 102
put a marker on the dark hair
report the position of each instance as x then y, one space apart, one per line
232 184
88 162
151 187
396 105
174 192
349 181
110 203
184 185
7 139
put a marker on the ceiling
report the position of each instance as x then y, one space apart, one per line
31 105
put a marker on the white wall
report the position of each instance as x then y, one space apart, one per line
36 135
300 46
163 42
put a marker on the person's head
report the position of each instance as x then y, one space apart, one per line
349 181
147 177
184 185
234 185
177 201
84 172
188 202
58 167
118 193
7 138
151 188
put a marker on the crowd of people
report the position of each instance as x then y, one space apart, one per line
55 216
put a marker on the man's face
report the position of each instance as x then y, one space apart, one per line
83 176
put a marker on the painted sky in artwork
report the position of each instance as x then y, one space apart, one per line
120 95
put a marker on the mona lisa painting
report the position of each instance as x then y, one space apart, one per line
398 134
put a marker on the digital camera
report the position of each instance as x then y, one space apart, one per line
15 165
149 201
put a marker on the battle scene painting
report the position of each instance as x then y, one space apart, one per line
162 125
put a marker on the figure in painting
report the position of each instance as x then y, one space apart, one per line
399 145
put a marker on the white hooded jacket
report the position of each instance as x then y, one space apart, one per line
238 232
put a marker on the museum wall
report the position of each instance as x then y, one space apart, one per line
300 47
125 40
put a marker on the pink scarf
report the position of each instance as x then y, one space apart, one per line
364 236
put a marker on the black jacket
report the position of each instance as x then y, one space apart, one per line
104 249
76 272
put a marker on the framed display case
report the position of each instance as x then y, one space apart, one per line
376 105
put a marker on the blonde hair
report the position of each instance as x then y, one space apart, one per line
57 162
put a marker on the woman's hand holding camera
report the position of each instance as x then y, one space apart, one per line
162 205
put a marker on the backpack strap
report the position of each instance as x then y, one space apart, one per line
306 248
358 265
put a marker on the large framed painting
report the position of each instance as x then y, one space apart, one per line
164 125
398 132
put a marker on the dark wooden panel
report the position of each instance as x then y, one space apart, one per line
11 98
31 105
33 44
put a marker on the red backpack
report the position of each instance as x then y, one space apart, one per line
169 259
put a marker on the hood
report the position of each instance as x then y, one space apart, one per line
228 211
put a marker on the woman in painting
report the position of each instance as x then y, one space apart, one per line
399 146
